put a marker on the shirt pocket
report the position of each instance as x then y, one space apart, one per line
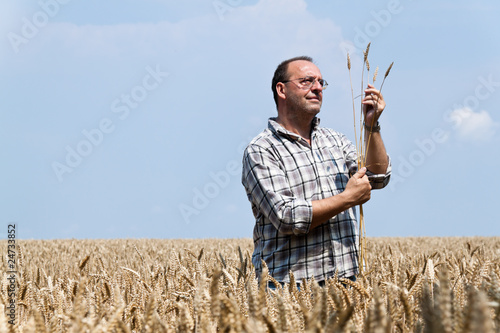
336 167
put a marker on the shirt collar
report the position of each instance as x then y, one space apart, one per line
275 127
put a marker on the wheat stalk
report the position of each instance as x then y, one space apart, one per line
376 107
363 144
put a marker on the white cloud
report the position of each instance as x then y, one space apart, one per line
275 29
473 126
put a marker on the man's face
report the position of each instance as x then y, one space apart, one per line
298 97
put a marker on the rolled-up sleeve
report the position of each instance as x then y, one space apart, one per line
379 181
268 190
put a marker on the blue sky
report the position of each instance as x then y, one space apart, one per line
127 119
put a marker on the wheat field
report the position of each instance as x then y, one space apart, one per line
146 285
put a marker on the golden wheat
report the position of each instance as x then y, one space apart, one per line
412 285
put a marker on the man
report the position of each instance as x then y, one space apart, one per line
302 180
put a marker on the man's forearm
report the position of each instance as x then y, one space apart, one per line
376 156
325 209
357 192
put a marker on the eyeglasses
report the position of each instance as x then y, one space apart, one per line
308 81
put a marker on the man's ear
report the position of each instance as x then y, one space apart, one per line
281 89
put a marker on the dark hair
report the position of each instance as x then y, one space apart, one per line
281 74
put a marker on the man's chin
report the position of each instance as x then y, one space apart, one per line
314 110
315 107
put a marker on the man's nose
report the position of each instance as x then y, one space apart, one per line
316 86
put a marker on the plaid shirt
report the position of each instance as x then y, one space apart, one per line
282 175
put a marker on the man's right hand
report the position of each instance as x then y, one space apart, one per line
357 192
358 188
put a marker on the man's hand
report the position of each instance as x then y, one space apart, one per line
358 188
357 192
373 105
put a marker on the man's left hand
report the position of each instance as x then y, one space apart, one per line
373 105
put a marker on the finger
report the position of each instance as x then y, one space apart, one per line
379 103
369 98
374 96
371 101
373 91
361 173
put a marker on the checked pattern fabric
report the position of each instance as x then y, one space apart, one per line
282 175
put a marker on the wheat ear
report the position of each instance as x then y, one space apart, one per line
376 109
